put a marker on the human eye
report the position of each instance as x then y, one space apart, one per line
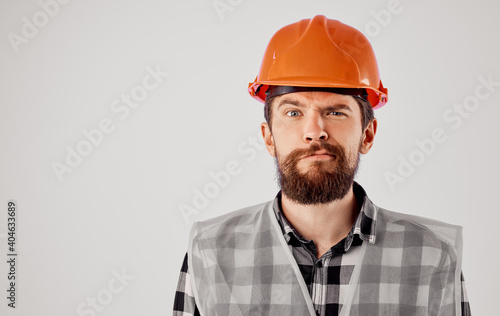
292 113
336 113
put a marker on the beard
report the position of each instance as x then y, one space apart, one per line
325 181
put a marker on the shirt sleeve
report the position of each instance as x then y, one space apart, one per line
465 299
184 302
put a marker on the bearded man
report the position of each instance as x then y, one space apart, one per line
321 247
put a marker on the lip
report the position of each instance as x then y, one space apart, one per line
319 156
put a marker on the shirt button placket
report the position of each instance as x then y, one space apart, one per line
318 288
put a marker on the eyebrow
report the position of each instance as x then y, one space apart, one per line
336 107
289 101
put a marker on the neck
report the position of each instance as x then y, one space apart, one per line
325 224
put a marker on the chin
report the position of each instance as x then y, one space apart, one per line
320 166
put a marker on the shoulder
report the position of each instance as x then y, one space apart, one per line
232 220
415 222
418 231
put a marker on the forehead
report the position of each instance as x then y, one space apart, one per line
317 99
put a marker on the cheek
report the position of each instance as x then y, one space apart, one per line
282 147
352 145
353 153
287 135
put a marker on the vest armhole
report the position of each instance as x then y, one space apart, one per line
191 266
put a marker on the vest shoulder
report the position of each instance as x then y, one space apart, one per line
391 216
427 228
241 217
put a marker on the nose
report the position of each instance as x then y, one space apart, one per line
314 129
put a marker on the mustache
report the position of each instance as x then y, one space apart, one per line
333 150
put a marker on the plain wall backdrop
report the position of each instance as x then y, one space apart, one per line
121 122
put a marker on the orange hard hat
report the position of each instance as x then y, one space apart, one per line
320 53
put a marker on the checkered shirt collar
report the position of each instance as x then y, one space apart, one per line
364 226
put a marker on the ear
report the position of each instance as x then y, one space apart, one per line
268 138
368 136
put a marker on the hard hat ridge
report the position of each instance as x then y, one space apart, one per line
315 33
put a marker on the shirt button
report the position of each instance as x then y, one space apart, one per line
319 264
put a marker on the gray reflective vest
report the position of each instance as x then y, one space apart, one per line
240 264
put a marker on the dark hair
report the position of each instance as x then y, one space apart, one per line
268 110
365 107
367 114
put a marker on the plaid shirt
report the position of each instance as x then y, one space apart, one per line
327 278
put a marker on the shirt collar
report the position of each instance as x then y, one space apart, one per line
364 226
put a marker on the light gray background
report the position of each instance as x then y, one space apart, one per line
120 208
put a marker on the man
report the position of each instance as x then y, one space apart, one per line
321 247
